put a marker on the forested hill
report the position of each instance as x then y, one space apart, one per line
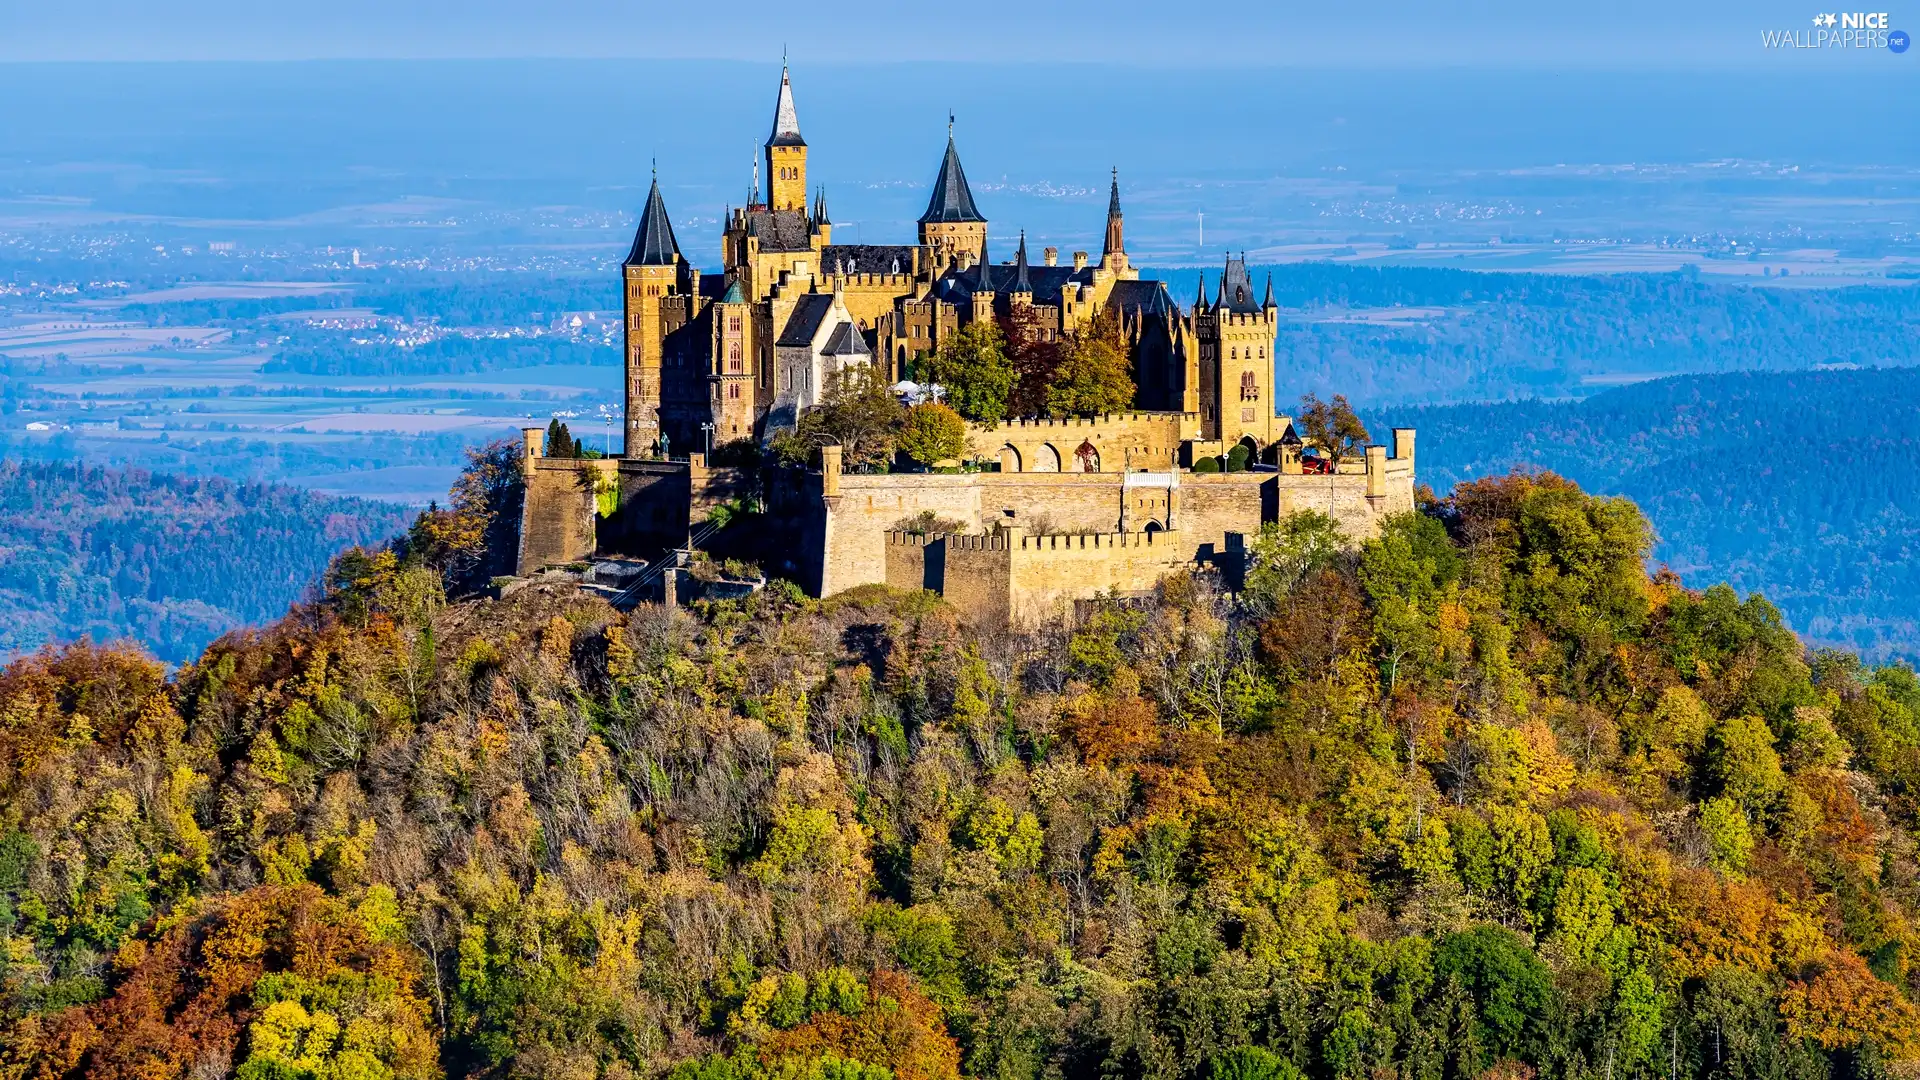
169 561
1401 335
1479 800
1803 485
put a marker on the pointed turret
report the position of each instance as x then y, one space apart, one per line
786 154
952 200
1020 282
653 242
1115 243
786 122
985 280
1268 302
1200 293
820 209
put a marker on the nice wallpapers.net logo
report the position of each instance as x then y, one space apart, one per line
1842 30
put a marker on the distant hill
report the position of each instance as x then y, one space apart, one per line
1805 486
169 561
1403 335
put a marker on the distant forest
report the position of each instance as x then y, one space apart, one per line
1800 485
169 561
1505 336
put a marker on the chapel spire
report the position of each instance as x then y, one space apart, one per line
1115 244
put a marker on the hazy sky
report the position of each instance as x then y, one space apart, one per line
1243 32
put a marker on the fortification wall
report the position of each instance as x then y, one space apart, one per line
852 536
557 518
906 556
1122 442
1048 573
976 576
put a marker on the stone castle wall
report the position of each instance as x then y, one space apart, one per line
1122 441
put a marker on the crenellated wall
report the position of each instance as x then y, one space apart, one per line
1008 576
1122 442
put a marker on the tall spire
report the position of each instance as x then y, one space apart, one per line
1115 244
820 209
753 193
986 270
952 200
1268 302
1020 282
1200 294
786 122
653 242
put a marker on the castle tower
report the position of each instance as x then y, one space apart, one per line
731 384
1235 335
786 154
982 295
655 276
952 224
1114 254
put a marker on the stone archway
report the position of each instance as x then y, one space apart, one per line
1009 459
1087 457
1046 459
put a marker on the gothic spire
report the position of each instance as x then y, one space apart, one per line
986 270
1268 302
1114 243
786 123
952 200
1020 282
653 242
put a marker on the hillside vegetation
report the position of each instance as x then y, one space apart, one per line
1801 485
1479 800
170 561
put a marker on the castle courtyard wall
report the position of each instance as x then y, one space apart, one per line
1048 573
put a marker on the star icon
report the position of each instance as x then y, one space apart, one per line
1831 20
1819 20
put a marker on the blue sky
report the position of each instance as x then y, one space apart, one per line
1534 33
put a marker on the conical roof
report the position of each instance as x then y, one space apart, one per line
653 242
1113 197
952 200
1020 282
786 122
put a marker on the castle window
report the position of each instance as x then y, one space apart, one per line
1249 387
733 323
1233 354
733 391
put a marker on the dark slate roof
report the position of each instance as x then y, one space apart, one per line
786 123
653 243
806 318
867 258
846 340
779 230
952 200
958 286
1141 297
1113 199
1022 282
1236 288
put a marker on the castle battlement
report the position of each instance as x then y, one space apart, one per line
1162 539
1102 420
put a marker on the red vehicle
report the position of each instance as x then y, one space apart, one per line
1315 466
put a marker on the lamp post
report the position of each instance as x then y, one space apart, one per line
707 426
606 424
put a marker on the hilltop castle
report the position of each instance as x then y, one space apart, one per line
1063 507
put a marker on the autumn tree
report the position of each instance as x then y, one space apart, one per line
932 432
1095 372
857 411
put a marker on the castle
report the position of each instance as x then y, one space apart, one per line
1059 509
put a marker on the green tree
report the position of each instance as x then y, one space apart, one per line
1288 552
857 410
932 432
973 368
